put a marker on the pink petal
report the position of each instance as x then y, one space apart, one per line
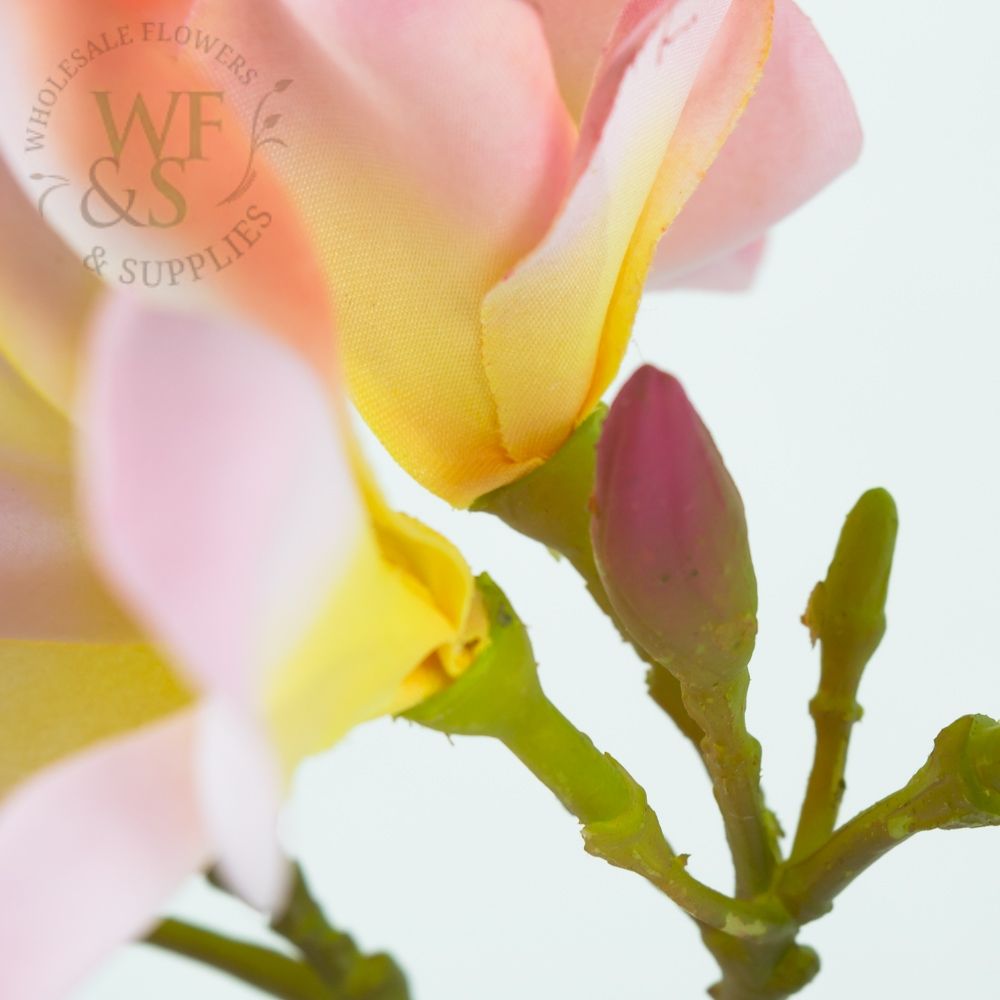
242 791
575 293
799 132
735 272
219 495
270 274
436 152
89 851
578 31
731 73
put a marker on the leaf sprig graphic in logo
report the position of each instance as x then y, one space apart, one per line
258 139
61 182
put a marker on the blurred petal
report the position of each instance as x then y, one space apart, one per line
48 589
271 276
671 86
438 153
58 698
736 272
224 504
46 297
219 494
374 629
800 131
242 789
89 851
405 621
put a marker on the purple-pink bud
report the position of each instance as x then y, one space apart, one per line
670 534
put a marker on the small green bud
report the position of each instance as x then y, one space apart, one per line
848 608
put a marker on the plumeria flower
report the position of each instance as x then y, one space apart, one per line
488 182
201 586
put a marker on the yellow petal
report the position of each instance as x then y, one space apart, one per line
379 625
48 589
46 297
432 153
403 621
437 565
57 698
670 90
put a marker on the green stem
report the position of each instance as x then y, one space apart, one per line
666 691
620 827
500 697
267 970
347 971
835 711
811 885
733 759
566 761
771 970
958 787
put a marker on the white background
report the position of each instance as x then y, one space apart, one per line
866 356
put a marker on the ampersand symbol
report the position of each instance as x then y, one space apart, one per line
122 213
95 261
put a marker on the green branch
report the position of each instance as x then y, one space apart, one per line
276 974
500 697
958 787
345 969
733 757
328 964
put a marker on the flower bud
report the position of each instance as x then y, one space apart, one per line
670 535
847 610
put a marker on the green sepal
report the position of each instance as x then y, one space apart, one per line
551 504
500 696
489 698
